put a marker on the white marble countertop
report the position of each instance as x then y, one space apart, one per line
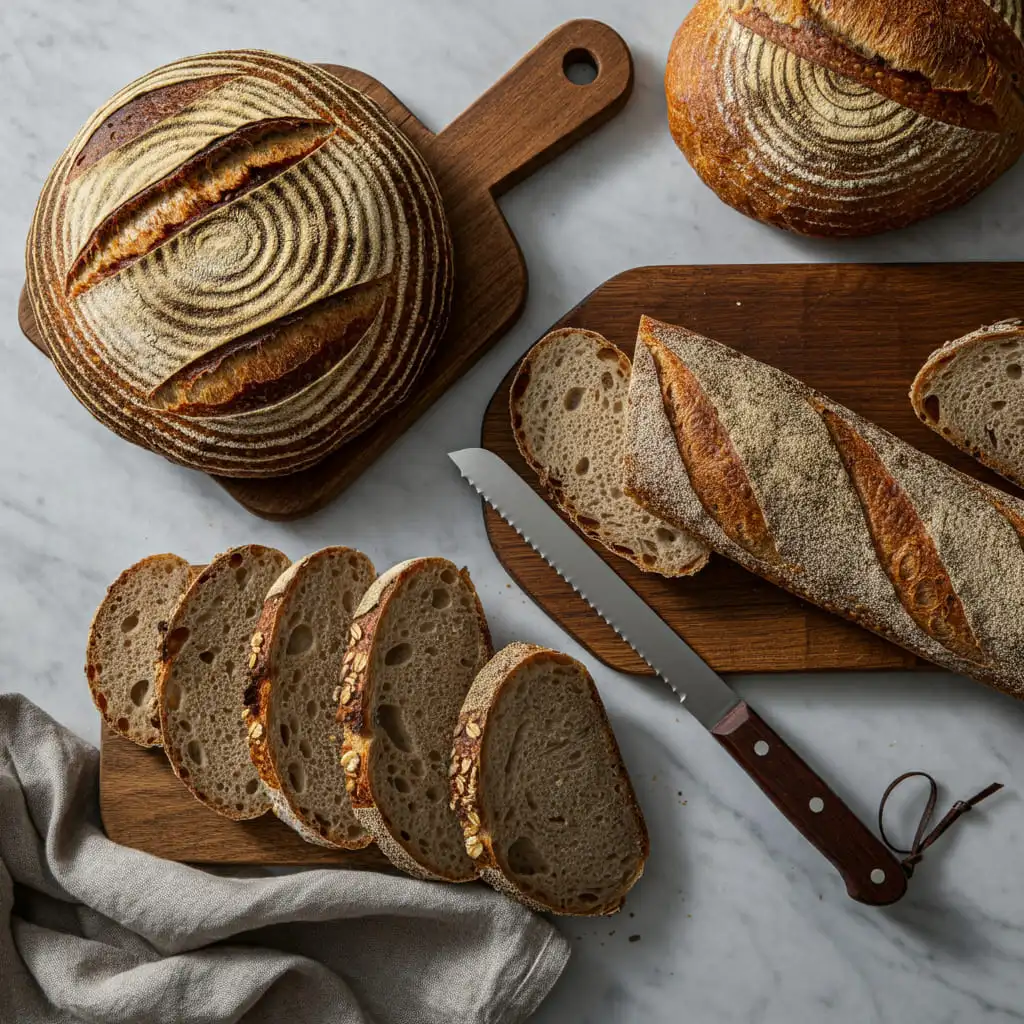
738 918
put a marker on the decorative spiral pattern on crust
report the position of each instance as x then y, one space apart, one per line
793 143
302 189
1012 12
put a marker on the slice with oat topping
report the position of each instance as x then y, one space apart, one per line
294 691
418 639
546 806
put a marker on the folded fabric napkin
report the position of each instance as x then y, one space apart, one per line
93 931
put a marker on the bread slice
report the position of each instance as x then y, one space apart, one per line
293 693
971 391
546 805
204 675
418 639
568 406
125 642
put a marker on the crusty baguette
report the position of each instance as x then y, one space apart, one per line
418 639
971 391
293 691
568 409
203 677
546 805
125 644
804 492
847 117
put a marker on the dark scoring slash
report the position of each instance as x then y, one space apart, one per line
138 115
277 360
220 173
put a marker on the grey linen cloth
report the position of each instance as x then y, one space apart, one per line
93 931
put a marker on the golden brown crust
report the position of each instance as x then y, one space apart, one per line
787 146
468 752
277 360
961 51
810 39
902 543
717 473
218 174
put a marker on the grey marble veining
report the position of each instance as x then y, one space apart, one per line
738 920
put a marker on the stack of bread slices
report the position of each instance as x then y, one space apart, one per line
367 709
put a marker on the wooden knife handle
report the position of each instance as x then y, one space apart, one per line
871 873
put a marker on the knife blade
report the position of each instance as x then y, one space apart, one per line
871 874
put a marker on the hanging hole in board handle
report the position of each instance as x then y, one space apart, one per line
580 66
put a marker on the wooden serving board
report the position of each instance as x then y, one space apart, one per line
527 118
143 805
857 332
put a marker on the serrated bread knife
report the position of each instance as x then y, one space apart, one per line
871 873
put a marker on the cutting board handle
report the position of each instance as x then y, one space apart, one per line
535 111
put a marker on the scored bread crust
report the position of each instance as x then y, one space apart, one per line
174 755
355 702
943 360
150 737
839 118
262 674
278 364
857 554
468 752
627 543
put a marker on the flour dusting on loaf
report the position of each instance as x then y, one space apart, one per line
250 271
813 511
841 118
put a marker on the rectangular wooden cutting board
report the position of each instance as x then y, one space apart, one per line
857 332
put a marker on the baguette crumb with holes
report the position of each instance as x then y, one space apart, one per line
545 803
568 408
293 693
125 644
204 675
418 639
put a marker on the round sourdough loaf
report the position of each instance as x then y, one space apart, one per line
847 117
240 262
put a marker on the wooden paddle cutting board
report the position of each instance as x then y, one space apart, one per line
526 119
857 332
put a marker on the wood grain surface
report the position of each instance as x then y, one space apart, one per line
857 332
528 117
143 805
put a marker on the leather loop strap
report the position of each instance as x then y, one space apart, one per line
922 838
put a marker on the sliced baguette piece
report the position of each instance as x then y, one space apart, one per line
293 694
203 677
125 644
971 391
568 406
545 802
418 639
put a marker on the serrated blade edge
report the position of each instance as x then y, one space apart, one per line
702 692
